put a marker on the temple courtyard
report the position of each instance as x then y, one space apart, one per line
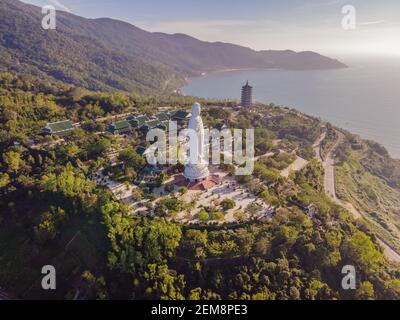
227 189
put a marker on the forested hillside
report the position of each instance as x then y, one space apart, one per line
369 179
106 54
51 212
70 56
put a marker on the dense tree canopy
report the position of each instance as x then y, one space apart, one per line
51 210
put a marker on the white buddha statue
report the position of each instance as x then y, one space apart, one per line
196 168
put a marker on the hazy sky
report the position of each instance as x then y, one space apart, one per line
260 24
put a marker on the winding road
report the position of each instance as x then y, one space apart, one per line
330 189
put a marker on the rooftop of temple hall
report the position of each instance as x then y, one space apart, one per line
59 128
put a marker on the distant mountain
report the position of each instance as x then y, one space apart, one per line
72 56
107 54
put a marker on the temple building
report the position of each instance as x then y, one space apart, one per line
247 95
180 116
138 121
60 128
120 127
148 125
145 123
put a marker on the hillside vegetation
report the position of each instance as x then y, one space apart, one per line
51 212
106 54
368 178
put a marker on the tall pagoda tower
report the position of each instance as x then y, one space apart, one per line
247 95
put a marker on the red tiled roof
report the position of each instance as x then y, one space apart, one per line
204 185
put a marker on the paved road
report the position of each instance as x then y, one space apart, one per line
317 146
330 190
329 166
389 252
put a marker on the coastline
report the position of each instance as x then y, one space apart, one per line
203 74
290 90
187 80
219 71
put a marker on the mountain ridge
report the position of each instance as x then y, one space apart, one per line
109 54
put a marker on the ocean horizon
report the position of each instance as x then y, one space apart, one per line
363 98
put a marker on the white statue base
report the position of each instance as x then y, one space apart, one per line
196 172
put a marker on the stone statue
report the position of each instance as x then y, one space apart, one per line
196 168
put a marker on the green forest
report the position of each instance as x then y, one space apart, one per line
51 212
